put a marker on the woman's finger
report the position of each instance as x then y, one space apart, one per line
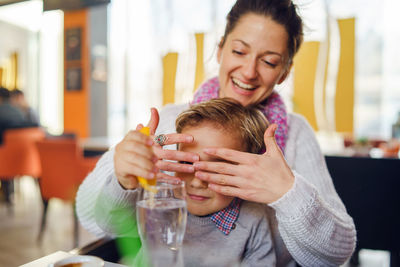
130 169
139 160
176 155
175 138
138 137
154 120
230 155
174 166
139 126
138 149
220 179
144 163
162 175
217 167
270 141
227 190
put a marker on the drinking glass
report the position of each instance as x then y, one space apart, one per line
161 216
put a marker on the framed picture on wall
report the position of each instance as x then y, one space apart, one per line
73 78
73 44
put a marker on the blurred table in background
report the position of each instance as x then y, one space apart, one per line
94 146
335 144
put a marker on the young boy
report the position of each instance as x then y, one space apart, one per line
220 230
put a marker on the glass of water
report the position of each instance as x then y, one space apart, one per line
161 216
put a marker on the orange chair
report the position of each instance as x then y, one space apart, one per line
63 169
19 156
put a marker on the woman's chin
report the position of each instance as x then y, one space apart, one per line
244 101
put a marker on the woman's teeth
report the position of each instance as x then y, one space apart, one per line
243 85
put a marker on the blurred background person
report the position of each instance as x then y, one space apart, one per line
17 98
10 115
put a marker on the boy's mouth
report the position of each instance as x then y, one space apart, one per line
197 197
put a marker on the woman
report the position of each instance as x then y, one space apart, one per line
309 222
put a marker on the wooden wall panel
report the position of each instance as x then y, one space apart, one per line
170 64
76 93
199 73
305 64
344 101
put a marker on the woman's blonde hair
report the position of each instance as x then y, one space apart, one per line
247 123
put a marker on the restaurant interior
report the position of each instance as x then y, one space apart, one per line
90 71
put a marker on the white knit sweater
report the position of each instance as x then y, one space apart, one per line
309 223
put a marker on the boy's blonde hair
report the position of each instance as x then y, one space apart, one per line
247 123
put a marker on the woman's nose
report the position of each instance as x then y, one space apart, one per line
249 69
197 183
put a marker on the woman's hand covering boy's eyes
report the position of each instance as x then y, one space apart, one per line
260 178
174 160
169 159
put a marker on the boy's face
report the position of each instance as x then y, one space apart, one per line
200 200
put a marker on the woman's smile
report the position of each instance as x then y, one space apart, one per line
242 88
243 85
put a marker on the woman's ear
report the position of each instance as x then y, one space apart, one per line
220 45
285 74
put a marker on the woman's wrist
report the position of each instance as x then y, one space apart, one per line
286 184
115 193
132 184
296 200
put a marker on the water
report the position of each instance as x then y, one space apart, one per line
162 224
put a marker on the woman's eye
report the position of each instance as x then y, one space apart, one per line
237 52
269 63
186 162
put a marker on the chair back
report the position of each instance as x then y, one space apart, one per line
61 171
18 153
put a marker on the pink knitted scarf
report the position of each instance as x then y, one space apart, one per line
273 108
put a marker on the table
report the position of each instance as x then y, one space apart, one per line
100 143
94 146
59 255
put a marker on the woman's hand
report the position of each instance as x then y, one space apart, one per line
260 178
138 155
168 160
134 157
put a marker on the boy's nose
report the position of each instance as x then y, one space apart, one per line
197 183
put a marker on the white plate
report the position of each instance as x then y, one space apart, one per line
85 261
